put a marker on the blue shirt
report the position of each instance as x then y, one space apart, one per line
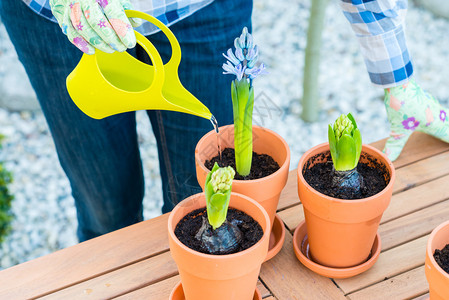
167 11
378 25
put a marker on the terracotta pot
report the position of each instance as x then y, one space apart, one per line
437 278
341 232
265 190
219 277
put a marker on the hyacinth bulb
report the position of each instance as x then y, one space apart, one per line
223 240
216 234
345 143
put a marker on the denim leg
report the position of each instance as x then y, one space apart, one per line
100 157
204 36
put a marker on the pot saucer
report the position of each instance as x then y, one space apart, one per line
277 237
178 293
301 247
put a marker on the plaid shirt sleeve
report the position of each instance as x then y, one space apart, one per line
42 7
167 11
380 29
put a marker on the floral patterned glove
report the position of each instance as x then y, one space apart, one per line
410 108
95 23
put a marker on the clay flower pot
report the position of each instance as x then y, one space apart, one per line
437 278
340 232
266 190
219 277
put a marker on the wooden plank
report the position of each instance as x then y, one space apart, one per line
417 198
404 286
161 290
84 261
422 171
287 278
423 297
264 292
292 217
289 195
121 281
390 263
158 291
414 225
418 147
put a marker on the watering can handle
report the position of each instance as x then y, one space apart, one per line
176 49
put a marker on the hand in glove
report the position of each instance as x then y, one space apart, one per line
410 108
91 24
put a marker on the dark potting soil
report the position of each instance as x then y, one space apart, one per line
319 176
188 227
262 164
442 258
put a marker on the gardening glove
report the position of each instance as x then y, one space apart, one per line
410 108
91 24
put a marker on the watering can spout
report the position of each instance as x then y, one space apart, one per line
105 84
190 105
178 96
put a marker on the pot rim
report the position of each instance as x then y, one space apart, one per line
286 163
385 161
429 248
266 233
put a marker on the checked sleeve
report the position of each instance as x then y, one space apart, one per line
167 11
380 30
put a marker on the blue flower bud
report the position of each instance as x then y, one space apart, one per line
239 54
231 57
242 62
249 41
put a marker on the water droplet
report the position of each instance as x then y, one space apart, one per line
214 122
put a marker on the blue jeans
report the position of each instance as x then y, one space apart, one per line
101 157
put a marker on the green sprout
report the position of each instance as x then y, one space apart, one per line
242 64
345 143
218 193
243 102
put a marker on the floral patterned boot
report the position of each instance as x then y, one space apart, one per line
410 108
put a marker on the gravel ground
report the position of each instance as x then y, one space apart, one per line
45 215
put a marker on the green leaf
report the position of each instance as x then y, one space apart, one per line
246 151
208 190
217 209
346 153
241 121
350 117
235 102
237 121
332 144
357 136
243 95
214 168
216 202
235 109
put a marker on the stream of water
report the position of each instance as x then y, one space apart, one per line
214 122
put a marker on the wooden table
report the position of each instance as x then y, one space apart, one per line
135 262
